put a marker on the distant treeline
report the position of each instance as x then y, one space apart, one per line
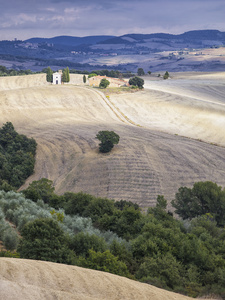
109 73
12 72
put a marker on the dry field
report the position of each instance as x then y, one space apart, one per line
37 280
157 157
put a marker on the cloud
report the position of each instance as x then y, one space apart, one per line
79 18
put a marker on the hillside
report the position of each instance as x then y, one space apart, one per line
150 159
156 52
29 279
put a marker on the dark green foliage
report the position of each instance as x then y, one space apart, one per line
140 72
204 197
92 75
104 83
166 75
107 139
9 254
84 79
17 157
75 204
49 75
186 257
43 239
82 242
66 75
166 269
11 72
137 81
42 189
106 262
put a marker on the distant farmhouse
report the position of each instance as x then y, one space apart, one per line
57 77
114 82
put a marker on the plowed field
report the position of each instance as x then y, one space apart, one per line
178 118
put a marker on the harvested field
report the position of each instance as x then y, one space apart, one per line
149 160
29 279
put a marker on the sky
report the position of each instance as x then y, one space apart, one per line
23 19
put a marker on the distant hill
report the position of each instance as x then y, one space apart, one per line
71 40
199 35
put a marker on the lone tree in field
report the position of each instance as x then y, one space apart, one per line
104 83
140 72
137 81
107 139
49 75
166 75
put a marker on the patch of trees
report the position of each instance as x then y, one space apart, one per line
17 157
186 256
203 198
137 82
12 72
108 73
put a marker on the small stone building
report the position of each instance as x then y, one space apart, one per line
57 77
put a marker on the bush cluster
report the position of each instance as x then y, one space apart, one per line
153 247
17 157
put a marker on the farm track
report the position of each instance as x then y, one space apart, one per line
147 162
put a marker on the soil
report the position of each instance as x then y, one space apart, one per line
37 280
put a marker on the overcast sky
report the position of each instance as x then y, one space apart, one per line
24 19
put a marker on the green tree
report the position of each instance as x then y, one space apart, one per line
92 75
107 139
76 203
84 79
104 83
82 242
166 75
17 156
43 239
137 81
49 75
149 72
106 262
140 72
204 197
66 75
40 189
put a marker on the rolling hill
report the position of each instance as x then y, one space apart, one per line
153 157
29 279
